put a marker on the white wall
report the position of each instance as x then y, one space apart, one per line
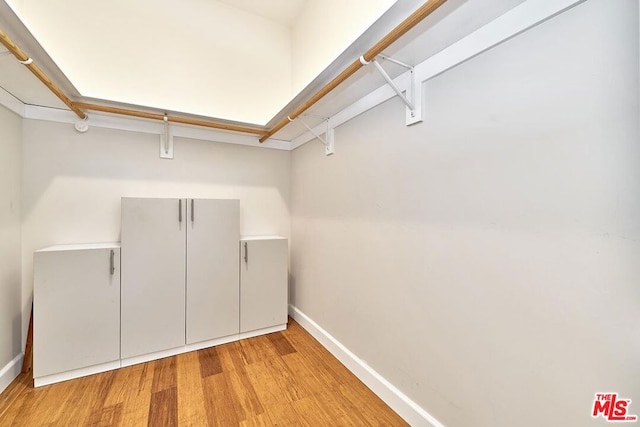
324 29
183 56
72 183
486 261
10 176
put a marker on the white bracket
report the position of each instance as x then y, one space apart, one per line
166 140
412 96
329 142
82 125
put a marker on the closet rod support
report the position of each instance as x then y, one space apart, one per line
395 61
393 85
412 96
166 139
329 146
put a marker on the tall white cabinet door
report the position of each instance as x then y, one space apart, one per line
263 282
76 316
153 275
213 231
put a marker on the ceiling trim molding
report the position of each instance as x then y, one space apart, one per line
11 102
521 18
154 127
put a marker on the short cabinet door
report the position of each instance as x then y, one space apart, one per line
263 283
76 316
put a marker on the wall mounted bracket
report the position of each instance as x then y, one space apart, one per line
329 142
412 96
166 140
82 125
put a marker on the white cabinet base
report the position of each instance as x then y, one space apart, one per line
199 346
105 367
269 330
76 373
91 370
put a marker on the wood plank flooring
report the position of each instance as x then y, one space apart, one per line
281 379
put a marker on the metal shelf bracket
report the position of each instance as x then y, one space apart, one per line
412 96
328 141
166 140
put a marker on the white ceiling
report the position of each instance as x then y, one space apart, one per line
284 12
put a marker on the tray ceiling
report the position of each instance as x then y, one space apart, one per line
284 12
453 21
237 60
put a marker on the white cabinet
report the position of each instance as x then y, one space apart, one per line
179 272
76 316
263 282
213 230
153 275
177 283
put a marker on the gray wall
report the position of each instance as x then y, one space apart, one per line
72 183
10 175
486 261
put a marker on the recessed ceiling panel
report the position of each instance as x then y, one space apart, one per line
284 12
194 56
226 59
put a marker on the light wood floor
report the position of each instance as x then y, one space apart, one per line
280 379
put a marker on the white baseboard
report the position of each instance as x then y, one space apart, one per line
410 411
10 371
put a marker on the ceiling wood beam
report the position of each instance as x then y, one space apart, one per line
421 13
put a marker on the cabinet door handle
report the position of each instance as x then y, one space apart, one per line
180 210
192 210
112 263
246 253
